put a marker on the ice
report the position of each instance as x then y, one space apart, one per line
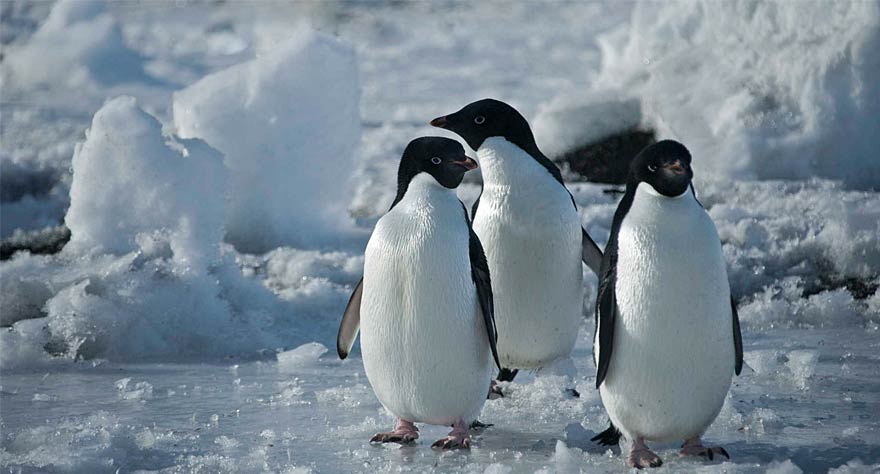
305 355
802 365
206 336
298 107
78 49
783 467
134 188
568 122
769 90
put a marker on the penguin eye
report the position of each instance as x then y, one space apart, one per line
652 168
436 160
479 119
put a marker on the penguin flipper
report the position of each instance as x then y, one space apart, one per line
351 322
480 275
606 313
737 338
591 254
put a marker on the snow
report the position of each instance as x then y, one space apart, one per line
289 177
162 133
765 90
134 189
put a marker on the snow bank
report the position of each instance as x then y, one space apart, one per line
289 125
144 276
79 47
133 189
756 90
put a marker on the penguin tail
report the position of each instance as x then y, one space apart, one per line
609 437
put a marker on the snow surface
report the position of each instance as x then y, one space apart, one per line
162 133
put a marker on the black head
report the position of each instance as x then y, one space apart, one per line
665 165
442 158
486 118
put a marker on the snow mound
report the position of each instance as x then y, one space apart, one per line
288 123
566 122
303 356
79 47
133 189
763 90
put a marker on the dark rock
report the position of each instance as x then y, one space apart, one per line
607 160
44 241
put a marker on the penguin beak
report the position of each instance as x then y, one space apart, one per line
439 122
467 163
676 167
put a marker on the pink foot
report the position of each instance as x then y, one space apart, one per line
404 432
694 447
641 457
494 391
458 438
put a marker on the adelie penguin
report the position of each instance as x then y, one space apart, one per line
530 227
667 339
424 306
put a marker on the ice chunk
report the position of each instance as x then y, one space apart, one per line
298 107
80 47
567 459
856 466
133 188
303 356
23 298
568 122
783 467
807 105
802 365
497 468
140 390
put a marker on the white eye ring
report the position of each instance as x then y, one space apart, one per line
652 168
436 160
479 119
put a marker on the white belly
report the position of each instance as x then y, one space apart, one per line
423 340
673 355
531 233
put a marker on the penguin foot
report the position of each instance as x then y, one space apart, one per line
494 391
641 457
479 426
694 447
405 432
458 438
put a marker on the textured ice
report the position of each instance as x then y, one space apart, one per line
202 346
774 89
298 107
135 189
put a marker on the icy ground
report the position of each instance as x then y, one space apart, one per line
152 344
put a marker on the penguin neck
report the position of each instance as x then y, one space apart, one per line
424 191
648 191
504 163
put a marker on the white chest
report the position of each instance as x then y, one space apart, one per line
421 327
531 232
673 356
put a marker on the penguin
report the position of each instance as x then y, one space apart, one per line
530 227
424 306
667 340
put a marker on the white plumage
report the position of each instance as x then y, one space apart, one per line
423 339
531 233
673 351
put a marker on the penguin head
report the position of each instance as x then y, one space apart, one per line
442 158
487 118
665 165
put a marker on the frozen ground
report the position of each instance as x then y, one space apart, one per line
163 339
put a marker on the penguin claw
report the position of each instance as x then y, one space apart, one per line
696 448
458 438
404 433
452 442
494 391
642 458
